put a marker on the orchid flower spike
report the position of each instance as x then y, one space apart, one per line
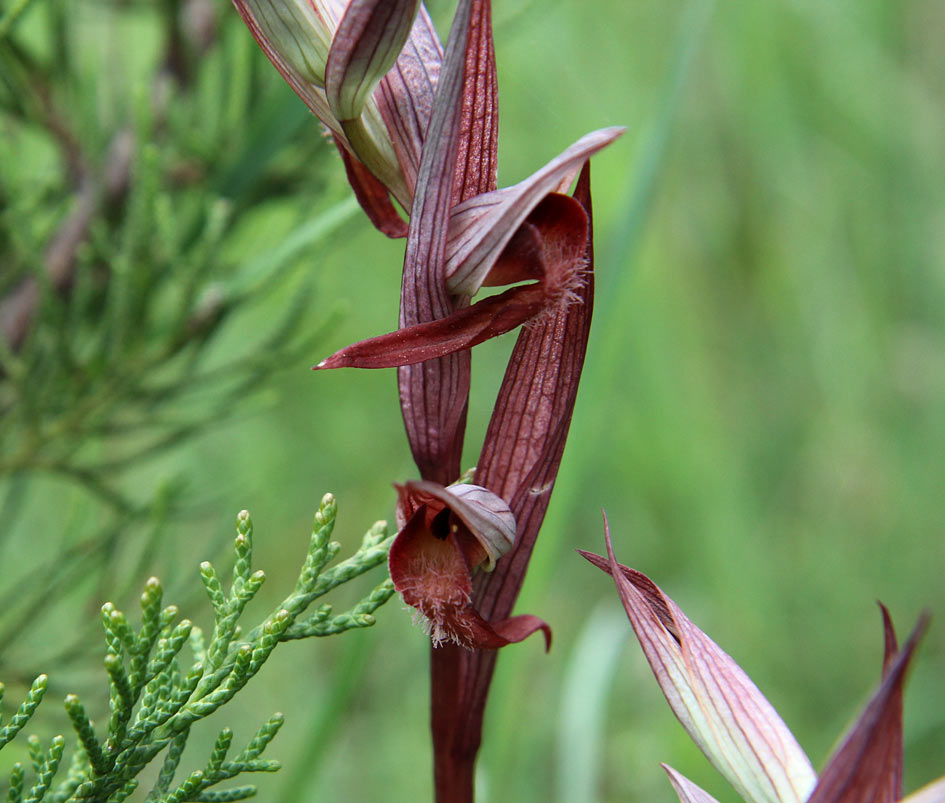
465 234
740 732
368 70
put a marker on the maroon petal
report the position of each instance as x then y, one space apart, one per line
462 330
529 425
865 767
365 46
373 197
434 394
474 632
405 95
526 435
520 460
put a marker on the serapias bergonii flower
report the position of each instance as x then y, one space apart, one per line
446 535
739 731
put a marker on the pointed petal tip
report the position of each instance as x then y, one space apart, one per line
686 790
594 559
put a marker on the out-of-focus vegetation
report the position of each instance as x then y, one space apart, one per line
762 412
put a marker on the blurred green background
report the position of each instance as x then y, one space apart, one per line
762 412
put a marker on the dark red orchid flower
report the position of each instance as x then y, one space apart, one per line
740 732
446 534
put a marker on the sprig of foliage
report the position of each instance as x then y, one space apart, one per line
156 696
124 220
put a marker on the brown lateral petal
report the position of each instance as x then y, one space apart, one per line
460 331
373 197
434 394
365 46
861 770
521 260
405 95
481 227
550 244
686 790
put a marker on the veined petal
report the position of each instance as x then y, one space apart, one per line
294 31
373 196
686 790
482 226
272 28
405 95
460 331
890 650
366 44
716 702
529 426
295 35
864 769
